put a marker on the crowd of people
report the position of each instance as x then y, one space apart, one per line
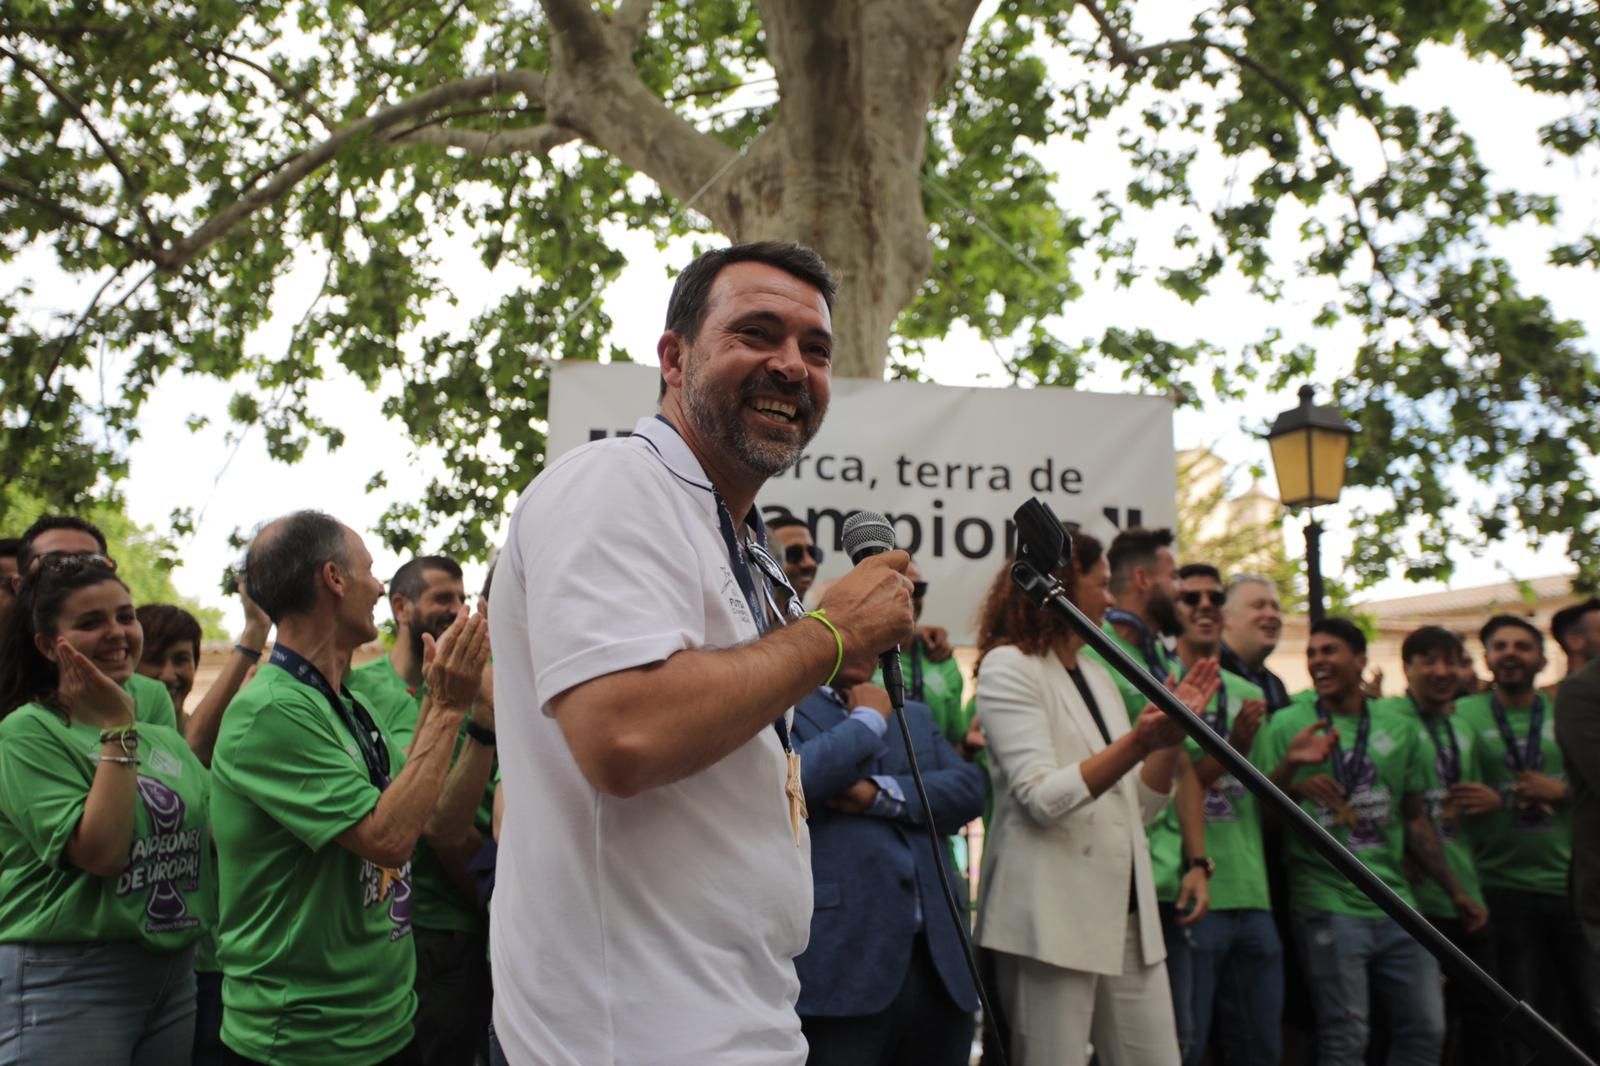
697 827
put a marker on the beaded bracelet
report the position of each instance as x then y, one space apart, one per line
124 760
126 737
822 616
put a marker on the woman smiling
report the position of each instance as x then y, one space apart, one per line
104 846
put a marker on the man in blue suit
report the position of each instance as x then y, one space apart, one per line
883 980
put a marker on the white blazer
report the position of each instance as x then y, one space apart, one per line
1056 860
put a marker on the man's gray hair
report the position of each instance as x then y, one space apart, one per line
281 567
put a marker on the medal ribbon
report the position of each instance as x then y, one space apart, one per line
1535 748
1433 723
1341 761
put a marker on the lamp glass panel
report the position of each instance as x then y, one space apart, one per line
1292 463
1329 450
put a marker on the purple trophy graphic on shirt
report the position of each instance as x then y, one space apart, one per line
1526 815
400 903
166 811
1218 804
1360 776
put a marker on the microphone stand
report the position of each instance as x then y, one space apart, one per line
1046 592
897 698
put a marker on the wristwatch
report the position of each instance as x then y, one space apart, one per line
481 733
1204 862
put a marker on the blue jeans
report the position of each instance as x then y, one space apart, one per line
95 1002
1236 976
1340 954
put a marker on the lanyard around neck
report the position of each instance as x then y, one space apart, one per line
1344 766
368 738
1532 756
1450 763
764 609
1148 645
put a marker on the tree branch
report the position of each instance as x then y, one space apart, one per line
535 140
595 91
72 215
579 23
20 439
1123 53
630 20
298 166
111 154
276 79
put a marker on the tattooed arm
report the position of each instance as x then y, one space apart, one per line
1424 849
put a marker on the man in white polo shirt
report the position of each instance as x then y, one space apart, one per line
653 885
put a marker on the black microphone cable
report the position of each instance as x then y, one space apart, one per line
865 534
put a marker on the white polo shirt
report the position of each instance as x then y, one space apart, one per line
663 928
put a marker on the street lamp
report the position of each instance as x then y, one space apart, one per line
1309 447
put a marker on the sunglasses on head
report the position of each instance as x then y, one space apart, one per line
1193 597
795 552
56 563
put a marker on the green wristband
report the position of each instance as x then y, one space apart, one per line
822 616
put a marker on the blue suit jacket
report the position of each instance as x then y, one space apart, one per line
868 871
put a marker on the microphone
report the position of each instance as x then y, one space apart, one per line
868 533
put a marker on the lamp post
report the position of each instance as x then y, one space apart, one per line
1309 447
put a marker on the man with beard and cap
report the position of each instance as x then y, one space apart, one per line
316 811
654 885
1144 584
1358 768
1431 657
1228 961
1524 847
449 927
1252 621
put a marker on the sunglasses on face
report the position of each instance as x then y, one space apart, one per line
795 552
919 589
1193 598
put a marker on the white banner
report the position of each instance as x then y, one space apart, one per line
949 466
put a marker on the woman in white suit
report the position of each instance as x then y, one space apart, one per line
1068 903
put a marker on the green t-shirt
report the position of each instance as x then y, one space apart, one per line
1394 766
1166 842
315 942
436 902
1517 848
1233 819
1131 696
941 690
1431 897
46 770
152 703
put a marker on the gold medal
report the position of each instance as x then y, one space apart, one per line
797 796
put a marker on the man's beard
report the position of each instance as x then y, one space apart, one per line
1162 615
721 418
435 631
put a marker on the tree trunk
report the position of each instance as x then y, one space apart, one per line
839 167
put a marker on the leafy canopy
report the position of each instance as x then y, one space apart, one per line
181 159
